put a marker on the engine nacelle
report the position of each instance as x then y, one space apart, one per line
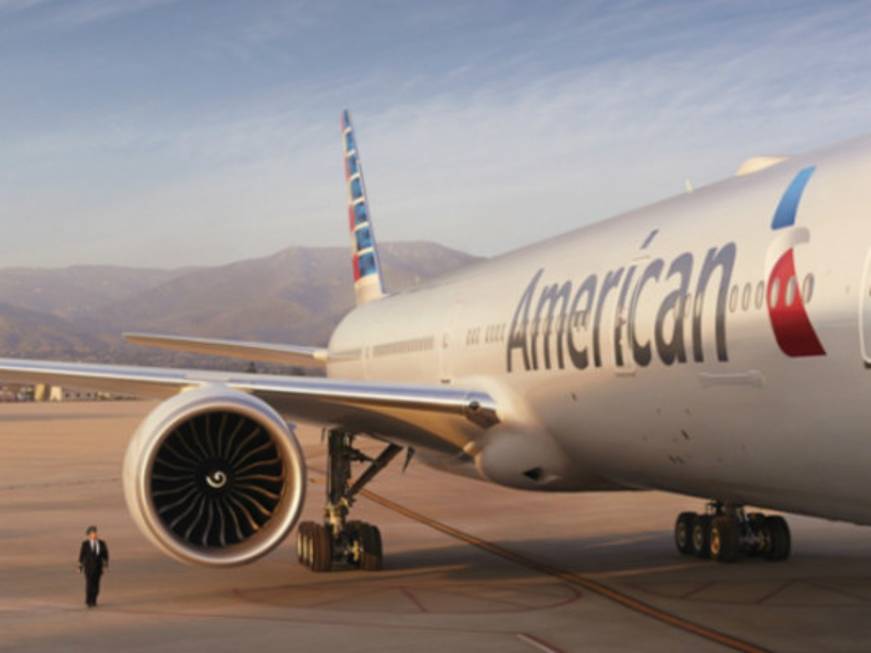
214 476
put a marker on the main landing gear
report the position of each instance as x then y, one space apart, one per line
725 532
320 546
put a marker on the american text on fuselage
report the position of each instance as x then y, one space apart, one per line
549 323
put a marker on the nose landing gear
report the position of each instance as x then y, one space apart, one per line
321 545
725 532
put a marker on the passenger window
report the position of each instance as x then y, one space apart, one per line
745 298
733 299
760 294
791 287
774 293
807 288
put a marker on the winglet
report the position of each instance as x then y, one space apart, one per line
368 284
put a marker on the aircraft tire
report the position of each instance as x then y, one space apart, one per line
683 532
701 536
368 538
723 539
303 542
779 538
756 521
322 549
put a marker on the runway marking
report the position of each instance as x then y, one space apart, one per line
774 592
642 571
418 596
538 643
411 597
722 592
298 619
574 578
696 590
837 590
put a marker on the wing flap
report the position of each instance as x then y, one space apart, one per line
246 350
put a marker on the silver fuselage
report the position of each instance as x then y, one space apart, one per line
639 390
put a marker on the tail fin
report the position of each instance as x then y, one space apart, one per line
368 284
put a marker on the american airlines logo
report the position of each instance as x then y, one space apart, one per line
792 327
563 324
577 324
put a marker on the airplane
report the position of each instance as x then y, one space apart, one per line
716 344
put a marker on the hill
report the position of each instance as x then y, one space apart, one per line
294 296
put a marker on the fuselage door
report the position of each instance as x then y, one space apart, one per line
449 342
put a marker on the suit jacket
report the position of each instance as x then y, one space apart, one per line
91 562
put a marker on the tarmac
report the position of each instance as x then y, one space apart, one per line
468 567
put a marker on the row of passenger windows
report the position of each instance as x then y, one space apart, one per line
347 355
490 333
740 296
403 346
777 295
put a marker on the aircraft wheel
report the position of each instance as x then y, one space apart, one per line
321 548
779 541
683 532
314 546
723 539
701 536
303 542
756 523
367 546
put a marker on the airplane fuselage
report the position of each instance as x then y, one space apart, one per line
714 344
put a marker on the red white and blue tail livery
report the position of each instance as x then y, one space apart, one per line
368 284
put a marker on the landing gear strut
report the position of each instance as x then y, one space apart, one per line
321 545
725 532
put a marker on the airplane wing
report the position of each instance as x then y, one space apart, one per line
247 350
440 418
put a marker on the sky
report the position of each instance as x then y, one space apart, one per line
166 133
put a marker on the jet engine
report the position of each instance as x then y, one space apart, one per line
214 476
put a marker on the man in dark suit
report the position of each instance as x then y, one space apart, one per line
93 558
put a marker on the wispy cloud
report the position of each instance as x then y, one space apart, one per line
481 133
74 13
86 12
12 6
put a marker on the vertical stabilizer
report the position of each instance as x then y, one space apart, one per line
368 284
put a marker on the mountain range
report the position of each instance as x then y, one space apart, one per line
295 296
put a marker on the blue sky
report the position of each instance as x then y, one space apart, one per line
166 133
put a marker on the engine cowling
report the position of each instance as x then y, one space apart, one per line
215 477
